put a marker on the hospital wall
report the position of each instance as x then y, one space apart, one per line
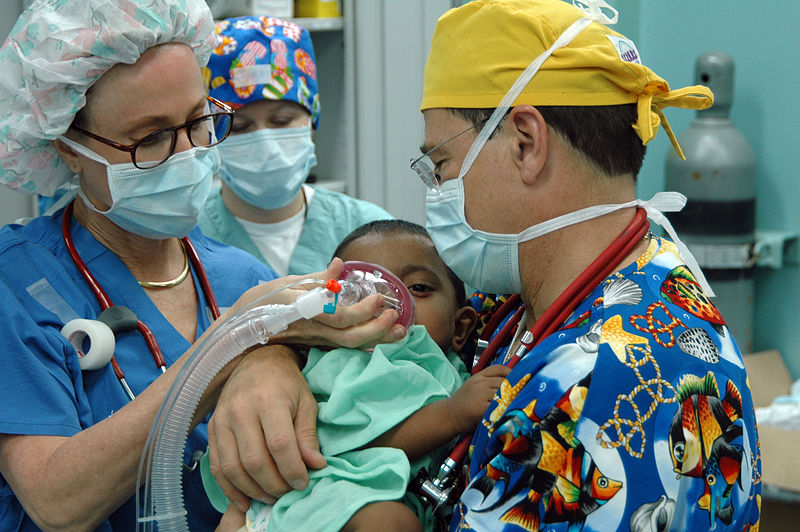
764 43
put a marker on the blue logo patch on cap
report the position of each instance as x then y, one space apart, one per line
626 49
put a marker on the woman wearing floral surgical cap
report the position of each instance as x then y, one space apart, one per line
109 93
264 68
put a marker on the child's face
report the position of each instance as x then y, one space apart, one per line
414 260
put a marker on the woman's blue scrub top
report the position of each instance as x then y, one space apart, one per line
42 388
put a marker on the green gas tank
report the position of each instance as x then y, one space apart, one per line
718 178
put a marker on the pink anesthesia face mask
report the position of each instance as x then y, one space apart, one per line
381 281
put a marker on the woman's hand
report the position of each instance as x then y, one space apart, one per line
361 325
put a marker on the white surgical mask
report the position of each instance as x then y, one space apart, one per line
160 202
267 167
490 261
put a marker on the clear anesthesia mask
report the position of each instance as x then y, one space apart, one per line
365 279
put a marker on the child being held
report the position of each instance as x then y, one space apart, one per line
383 414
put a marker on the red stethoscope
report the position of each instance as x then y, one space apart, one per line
133 323
439 490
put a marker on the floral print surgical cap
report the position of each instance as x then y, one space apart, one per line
263 58
56 51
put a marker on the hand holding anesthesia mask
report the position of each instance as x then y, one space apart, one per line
264 68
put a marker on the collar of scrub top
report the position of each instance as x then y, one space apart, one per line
106 303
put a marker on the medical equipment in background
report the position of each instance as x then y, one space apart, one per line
719 179
160 501
317 8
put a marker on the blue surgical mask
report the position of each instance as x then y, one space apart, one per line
160 202
490 261
267 167
484 261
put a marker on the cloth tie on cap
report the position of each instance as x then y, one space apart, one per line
654 98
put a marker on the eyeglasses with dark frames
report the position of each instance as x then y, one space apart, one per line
203 132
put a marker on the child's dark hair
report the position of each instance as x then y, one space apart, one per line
383 227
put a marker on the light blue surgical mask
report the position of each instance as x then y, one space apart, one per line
160 202
484 261
267 167
490 261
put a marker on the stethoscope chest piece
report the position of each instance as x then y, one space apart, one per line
119 319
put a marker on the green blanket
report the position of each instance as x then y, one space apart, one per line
361 395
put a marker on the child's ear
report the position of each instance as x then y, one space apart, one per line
466 319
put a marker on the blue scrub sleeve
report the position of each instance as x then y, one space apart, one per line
36 385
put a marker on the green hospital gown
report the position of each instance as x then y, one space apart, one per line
361 395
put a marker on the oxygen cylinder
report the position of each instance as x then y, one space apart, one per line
718 178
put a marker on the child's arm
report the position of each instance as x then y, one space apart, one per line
439 422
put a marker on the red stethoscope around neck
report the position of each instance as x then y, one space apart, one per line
133 323
439 490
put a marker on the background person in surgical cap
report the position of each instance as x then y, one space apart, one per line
111 92
264 68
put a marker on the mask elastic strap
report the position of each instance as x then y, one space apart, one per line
655 207
594 13
655 212
83 150
89 154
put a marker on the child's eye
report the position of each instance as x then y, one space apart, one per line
420 289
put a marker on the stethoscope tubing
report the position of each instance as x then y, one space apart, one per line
583 285
558 311
105 301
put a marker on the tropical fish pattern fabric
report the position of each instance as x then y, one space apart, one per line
634 415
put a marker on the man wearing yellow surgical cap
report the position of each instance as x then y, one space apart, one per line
627 407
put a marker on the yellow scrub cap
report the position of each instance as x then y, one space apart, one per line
56 51
482 48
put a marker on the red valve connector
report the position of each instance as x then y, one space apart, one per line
333 285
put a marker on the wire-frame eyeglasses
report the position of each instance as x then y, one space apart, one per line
203 132
424 167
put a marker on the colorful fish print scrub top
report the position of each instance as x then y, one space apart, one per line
634 415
